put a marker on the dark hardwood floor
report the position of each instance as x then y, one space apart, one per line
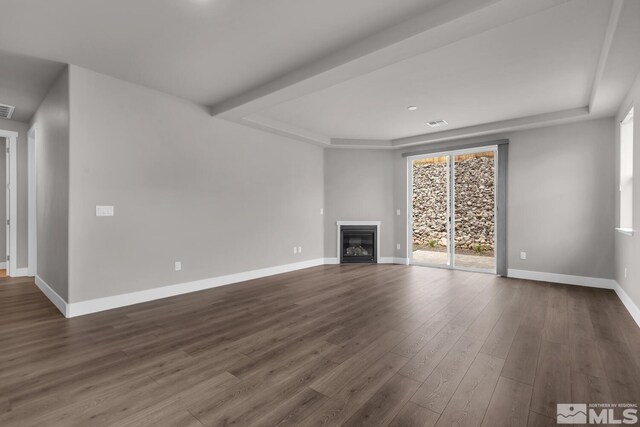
331 345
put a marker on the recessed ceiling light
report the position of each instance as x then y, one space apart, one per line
412 108
437 123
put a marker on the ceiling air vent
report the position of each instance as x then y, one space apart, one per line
6 111
437 123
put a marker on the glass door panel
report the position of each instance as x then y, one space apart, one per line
430 211
474 201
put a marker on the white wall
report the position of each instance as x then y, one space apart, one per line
560 198
628 247
21 161
52 186
358 186
219 197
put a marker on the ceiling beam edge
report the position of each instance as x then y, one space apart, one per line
422 23
616 9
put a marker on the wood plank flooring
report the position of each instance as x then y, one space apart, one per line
332 345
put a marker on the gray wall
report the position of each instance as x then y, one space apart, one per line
560 198
219 197
22 172
52 186
358 186
628 247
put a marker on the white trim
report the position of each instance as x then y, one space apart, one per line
31 204
13 207
632 308
378 225
53 296
625 231
401 261
7 211
591 282
107 303
331 260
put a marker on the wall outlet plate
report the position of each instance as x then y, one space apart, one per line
178 266
398 212
523 255
104 210
321 211
299 249
398 246
295 249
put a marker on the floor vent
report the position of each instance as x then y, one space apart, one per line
6 111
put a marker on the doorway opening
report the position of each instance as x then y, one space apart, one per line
4 207
8 144
452 205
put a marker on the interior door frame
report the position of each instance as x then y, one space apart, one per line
450 155
12 199
32 228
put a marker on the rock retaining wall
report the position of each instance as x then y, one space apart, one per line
475 198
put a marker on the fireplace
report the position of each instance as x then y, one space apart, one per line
358 244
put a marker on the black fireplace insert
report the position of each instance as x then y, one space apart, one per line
358 244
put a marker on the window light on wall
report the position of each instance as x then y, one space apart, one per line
626 174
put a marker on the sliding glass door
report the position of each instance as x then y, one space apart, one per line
453 210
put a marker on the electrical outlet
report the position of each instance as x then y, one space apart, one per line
295 249
398 212
177 266
523 255
299 249
398 246
321 211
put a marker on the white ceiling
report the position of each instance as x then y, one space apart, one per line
201 50
24 82
541 63
343 72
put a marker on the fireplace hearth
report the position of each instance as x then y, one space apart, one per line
358 244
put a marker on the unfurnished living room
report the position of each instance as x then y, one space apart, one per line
297 212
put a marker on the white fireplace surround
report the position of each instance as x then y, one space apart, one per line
376 223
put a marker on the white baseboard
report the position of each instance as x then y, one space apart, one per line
107 303
632 308
53 296
592 282
20 272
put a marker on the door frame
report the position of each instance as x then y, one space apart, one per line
450 154
12 199
32 228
